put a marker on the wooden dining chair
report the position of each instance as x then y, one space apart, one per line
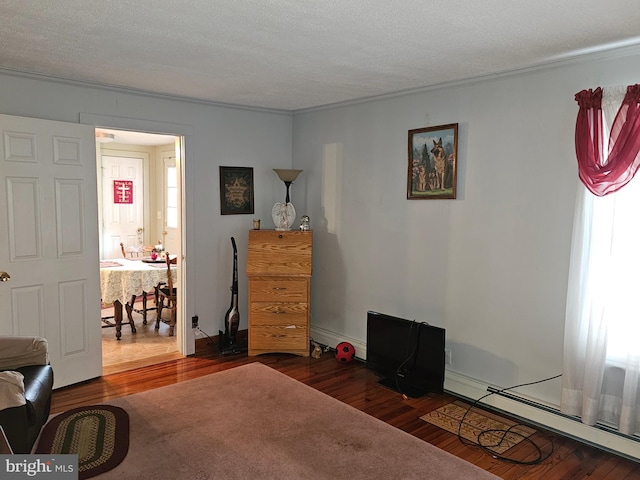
133 253
169 293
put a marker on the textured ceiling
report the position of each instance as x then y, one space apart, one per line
296 54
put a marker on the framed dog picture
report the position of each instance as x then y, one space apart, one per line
236 190
432 163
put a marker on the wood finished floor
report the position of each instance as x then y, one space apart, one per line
354 385
146 347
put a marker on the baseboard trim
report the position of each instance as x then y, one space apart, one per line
330 339
471 389
207 343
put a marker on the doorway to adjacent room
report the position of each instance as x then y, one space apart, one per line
138 198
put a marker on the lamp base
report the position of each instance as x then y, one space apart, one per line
283 215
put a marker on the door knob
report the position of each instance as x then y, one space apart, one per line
4 277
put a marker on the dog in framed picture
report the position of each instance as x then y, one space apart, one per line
422 178
433 180
440 163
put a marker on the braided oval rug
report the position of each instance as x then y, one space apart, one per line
98 434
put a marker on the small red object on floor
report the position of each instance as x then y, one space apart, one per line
345 352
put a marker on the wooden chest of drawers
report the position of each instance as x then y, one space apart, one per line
279 272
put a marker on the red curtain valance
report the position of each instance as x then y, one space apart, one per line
621 161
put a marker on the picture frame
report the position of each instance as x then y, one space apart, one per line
432 162
236 190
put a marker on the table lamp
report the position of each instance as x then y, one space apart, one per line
284 214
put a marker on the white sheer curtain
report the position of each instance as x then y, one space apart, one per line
602 325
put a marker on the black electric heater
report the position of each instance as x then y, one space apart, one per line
406 354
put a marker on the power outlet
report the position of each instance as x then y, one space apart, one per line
447 356
194 321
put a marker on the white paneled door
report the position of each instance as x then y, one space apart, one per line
49 242
122 204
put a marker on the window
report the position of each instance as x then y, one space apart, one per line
171 197
614 266
602 326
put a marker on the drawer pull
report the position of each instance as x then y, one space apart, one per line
279 288
278 335
279 312
291 326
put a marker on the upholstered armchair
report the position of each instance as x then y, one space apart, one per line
26 383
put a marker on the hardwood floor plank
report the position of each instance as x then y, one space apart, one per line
357 386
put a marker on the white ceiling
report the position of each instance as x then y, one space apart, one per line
296 54
138 138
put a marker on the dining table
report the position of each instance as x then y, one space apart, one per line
122 279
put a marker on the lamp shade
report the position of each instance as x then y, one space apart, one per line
286 174
284 214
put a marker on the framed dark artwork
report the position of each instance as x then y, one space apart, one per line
433 161
236 190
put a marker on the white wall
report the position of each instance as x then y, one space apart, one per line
491 266
220 136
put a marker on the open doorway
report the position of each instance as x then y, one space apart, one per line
138 198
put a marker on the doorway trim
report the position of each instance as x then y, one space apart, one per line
186 338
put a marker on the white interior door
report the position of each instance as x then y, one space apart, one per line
122 203
49 242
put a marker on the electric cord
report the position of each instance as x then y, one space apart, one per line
199 330
409 356
502 434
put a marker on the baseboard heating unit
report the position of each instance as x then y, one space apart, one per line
539 414
600 426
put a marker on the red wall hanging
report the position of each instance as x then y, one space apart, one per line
122 191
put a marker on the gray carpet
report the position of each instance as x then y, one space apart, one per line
253 422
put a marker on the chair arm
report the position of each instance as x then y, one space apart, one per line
18 352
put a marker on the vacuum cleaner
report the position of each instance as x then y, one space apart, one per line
228 341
